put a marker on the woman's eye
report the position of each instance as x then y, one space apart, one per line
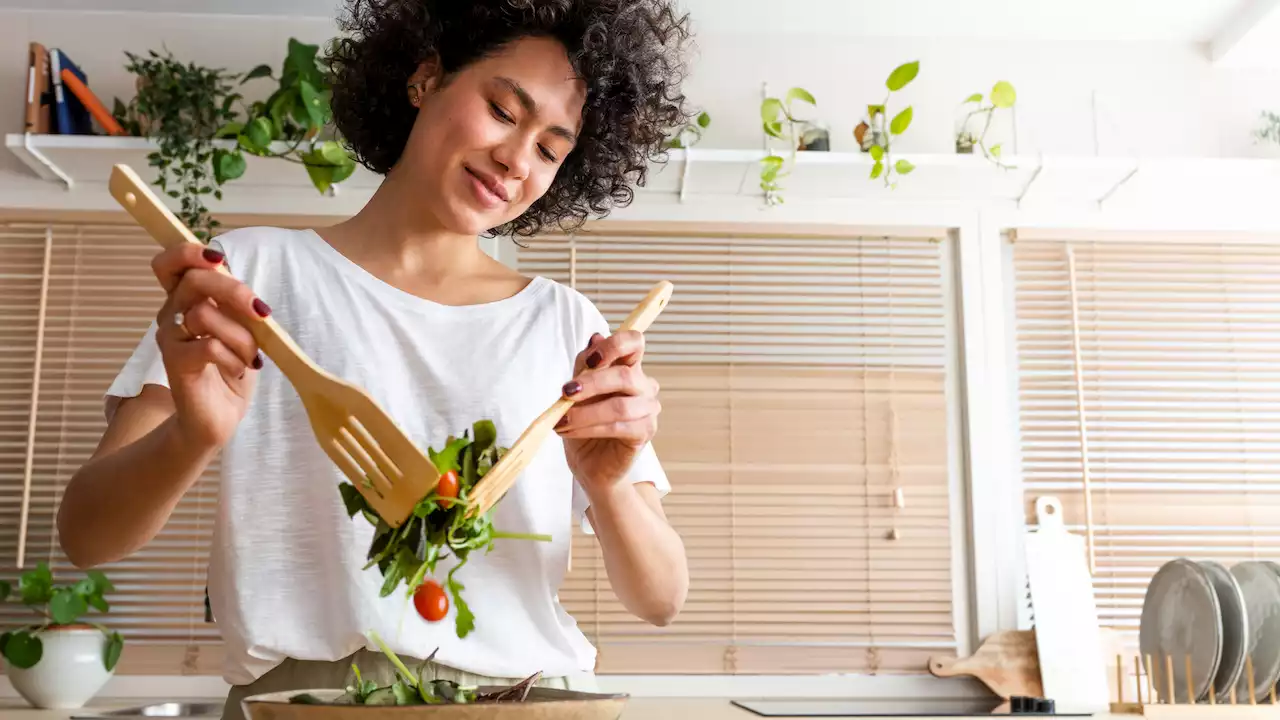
503 115
546 153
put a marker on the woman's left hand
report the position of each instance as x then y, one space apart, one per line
616 410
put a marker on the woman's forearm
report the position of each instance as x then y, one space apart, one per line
118 501
643 555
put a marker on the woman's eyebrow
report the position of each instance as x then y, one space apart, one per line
531 107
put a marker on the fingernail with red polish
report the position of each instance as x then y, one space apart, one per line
573 387
261 308
213 256
563 421
257 361
593 360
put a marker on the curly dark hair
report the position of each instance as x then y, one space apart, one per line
630 53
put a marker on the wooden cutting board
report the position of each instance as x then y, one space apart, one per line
1007 662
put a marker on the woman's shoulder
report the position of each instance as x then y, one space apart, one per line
255 238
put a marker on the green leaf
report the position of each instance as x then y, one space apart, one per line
703 119
333 153
901 121
111 653
352 499
1003 95
36 586
903 167
770 109
404 694
5 589
995 150
773 129
229 130
321 176
66 606
227 165
464 620
343 171
485 435
98 603
877 153
876 170
259 132
447 459
23 650
301 62
260 71
974 98
796 93
902 75
312 103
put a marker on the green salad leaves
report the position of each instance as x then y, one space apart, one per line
439 526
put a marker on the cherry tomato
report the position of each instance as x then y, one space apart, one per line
447 488
430 601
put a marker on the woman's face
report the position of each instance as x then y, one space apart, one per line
488 142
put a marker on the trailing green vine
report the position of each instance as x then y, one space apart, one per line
181 106
187 108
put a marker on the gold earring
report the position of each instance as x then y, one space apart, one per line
414 95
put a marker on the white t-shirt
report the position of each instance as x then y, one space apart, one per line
285 576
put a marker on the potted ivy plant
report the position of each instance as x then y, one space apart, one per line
59 660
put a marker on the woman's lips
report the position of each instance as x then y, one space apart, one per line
487 191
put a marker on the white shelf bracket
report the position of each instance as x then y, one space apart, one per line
1030 181
39 157
684 172
1119 183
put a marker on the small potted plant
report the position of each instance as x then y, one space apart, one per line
973 125
59 661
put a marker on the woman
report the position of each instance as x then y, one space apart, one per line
502 116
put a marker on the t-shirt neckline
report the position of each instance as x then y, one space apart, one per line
353 270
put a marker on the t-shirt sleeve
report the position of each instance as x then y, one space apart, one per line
144 367
646 467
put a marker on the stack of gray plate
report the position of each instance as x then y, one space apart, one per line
1218 618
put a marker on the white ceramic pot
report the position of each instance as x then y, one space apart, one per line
70 671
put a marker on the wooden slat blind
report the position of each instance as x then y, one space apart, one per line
99 296
803 382
1180 367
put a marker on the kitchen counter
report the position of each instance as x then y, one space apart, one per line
637 709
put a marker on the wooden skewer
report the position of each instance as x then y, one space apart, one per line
1191 685
1119 679
1151 680
1248 664
1137 679
1273 694
1233 694
1213 700
1172 687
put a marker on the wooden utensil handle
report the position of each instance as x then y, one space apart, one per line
167 230
649 308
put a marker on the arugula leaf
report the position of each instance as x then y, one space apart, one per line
464 619
447 459
352 499
404 693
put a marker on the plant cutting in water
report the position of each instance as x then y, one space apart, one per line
881 152
1002 97
56 606
690 133
779 121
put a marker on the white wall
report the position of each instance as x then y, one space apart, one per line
1154 99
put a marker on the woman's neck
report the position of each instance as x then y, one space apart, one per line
410 251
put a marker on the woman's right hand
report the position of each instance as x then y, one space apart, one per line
211 358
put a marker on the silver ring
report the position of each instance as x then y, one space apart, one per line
179 320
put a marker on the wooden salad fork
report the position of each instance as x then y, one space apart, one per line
503 475
362 440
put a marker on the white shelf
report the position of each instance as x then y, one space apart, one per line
83 163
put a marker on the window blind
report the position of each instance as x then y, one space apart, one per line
804 394
74 302
1176 418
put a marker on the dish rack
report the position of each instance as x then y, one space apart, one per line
1160 698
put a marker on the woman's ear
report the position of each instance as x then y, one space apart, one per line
424 80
